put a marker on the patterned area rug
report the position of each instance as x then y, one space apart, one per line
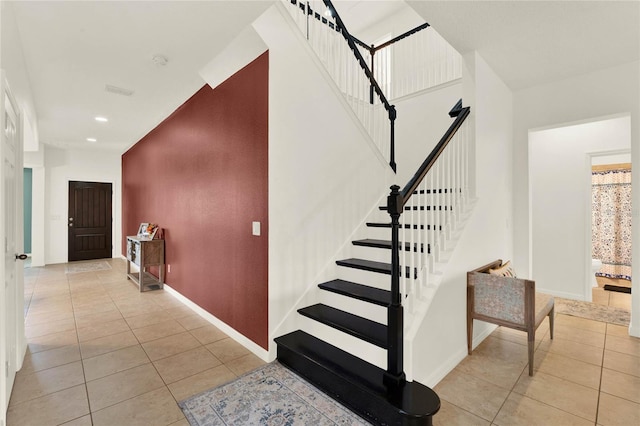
74 268
593 311
270 395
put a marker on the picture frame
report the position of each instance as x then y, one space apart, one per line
147 231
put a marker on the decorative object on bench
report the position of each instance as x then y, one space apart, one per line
495 295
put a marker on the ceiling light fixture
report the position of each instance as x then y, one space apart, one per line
160 60
102 119
92 140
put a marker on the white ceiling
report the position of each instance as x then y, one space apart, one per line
532 42
72 49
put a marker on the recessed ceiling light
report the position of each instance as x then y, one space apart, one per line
102 119
92 140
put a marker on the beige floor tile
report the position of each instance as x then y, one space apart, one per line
136 308
148 319
40 383
582 323
520 410
600 296
192 321
472 394
449 414
171 345
119 387
100 346
227 349
157 331
52 409
208 334
186 364
244 364
579 335
97 318
52 358
559 393
519 337
152 408
567 368
50 327
35 319
621 385
614 411
91 309
627 345
575 350
617 330
180 311
52 341
200 382
80 421
114 362
97 331
620 300
623 363
499 372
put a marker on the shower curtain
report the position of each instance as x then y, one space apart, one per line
611 222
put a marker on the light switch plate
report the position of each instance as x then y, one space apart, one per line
256 228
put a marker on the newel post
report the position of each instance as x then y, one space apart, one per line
394 376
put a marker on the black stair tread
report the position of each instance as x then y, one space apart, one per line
406 226
423 208
373 295
356 383
367 265
362 328
386 244
370 265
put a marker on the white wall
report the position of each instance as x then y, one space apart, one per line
441 340
560 179
324 174
607 92
422 121
62 166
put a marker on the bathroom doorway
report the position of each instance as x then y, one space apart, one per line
611 212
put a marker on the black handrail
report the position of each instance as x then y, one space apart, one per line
400 37
426 165
395 206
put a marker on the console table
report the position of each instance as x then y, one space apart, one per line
145 253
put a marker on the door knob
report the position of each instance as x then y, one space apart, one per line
21 256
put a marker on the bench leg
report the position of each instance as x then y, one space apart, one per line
469 334
551 318
531 343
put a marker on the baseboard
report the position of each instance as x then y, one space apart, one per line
257 350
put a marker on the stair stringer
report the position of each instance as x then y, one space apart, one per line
312 294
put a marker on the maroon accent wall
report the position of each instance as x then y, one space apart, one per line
202 175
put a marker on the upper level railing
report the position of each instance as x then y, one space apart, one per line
336 48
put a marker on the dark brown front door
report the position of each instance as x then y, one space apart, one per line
89 220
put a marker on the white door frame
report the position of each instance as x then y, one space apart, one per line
18 340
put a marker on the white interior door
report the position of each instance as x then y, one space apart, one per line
11 326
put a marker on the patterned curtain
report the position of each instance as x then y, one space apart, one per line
611 222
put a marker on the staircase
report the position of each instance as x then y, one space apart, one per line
422 217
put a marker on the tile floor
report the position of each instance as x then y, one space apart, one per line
101 353
589 374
